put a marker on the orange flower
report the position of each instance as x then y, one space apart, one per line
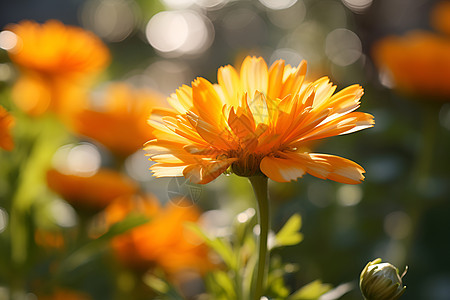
258 120
163 241
49 239
95 191
64 294
418 62
120 123
57 49
440 17
6 123
57 63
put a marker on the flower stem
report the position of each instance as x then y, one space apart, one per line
259 184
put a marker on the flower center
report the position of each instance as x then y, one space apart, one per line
247 165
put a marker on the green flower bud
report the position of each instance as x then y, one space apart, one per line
381 281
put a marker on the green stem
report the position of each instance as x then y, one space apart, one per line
259 184
417 205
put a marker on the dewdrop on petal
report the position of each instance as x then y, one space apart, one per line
381 281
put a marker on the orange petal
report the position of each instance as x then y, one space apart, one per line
293 79
345 124
327 166
280 169
207 102
206 170
275 79
167 170
228 80
223 139
241 125
254 75
181 100
341 169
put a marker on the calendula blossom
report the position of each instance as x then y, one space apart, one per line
163 241
58 63
418 63
124 109
6 123
256 121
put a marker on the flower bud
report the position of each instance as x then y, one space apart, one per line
381 281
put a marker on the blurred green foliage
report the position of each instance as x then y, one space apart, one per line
399 213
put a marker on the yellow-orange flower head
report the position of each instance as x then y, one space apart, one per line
256 121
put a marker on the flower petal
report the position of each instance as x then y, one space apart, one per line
341 169
280 169
293 79
207 102
290 166
254 75
327 166
276 72
228 80
181 100
345 124
206 170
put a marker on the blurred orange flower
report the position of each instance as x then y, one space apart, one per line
64 294
258 120
57 62
440 17
119 123
6 123
91 192
419 63
163 241
49 239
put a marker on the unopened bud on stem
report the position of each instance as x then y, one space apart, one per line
381 281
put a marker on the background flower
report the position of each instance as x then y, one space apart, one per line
91 192
6 123
418 63
163 242
57 62
118 118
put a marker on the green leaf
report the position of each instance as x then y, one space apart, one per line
220 246
311 291
289 235
223 284
162 287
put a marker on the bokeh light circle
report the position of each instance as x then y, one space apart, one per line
343 47
175 33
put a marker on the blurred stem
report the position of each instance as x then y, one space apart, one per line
422 171
259 184
46 135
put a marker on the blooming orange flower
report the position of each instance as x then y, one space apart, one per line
163 241
6 122
258 120
57 62
418 62
120 122
95 191
440 17
54 49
